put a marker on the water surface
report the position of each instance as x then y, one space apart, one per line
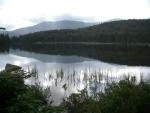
64 75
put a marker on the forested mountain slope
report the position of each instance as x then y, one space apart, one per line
123 31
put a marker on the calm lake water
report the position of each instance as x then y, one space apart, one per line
64 75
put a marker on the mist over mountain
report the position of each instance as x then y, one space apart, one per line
47 25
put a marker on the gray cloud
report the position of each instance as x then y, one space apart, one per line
37 19
149 2
2 2
8 27
71 17
62 17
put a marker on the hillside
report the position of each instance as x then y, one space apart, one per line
45 26
123 31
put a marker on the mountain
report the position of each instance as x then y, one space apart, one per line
111 20
125 42
45 26
123 31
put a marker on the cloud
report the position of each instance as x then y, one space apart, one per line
21 13
75 18
148 1
36 20
1 2
9 27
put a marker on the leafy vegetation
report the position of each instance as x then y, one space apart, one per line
16 97
123 97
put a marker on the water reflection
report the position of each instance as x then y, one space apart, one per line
64 75
114 53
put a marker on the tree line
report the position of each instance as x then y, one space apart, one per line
4 40
123 31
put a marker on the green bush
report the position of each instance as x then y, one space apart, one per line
16 97
123 97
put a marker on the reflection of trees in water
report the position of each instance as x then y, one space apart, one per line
122 54
67 83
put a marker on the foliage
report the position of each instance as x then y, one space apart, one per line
123 97
16 97
81 103
10 89
126 96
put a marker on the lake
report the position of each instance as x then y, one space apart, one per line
67 73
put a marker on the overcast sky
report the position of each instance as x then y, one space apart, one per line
20 13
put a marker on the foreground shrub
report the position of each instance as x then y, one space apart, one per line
16 97
123 97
